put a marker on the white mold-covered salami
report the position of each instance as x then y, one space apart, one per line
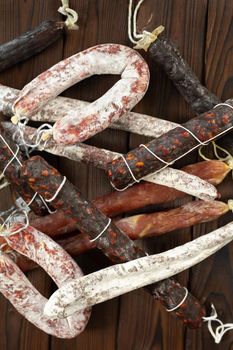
119 279
22 294
59 107
184 182
101 59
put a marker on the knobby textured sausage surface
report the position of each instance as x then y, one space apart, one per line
30 43
21 293
59 107
114 243
12 172
170 146
169 177
164 52
122 97
119 279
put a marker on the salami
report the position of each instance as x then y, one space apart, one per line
30 43
141 195
122 97
164 52
11 160
47 181
101 157
21 293
119 279
137 226
59 107
171 146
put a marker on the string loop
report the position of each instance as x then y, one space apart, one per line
182 301
102 232
221 329
72 15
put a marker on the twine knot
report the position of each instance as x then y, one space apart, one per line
72 15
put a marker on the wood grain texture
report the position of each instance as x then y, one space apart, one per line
202 29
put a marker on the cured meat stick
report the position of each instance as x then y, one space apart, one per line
141 195
57 108
139 226
164 52
171 146
115 203
47 181
150 225
155 224
119 279
9 164
169 177
23 295
30 43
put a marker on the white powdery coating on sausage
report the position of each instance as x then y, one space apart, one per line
184 182
23 295
101 59
59 107
123 278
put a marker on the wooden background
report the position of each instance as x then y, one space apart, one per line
203 31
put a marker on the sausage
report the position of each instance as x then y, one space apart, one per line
171 146
47 181
10 165
59 107
30 43
123 278
23 295
101 157
164 52
122 97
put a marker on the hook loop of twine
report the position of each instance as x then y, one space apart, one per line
72 15
145 39
221 329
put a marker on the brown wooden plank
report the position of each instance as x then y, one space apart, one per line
212 280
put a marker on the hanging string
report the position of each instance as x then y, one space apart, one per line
228 159
145 39
5 228
72 16
221 329
169 163
41 135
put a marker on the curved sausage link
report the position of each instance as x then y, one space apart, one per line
123 278
22 294
77 126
